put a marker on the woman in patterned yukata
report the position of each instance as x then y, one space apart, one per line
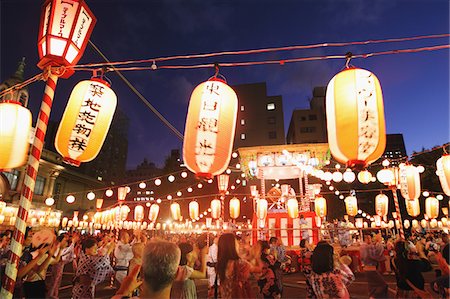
92 269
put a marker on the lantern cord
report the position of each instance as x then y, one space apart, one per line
21 85
268 50
140 96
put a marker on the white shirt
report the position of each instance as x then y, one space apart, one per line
123 254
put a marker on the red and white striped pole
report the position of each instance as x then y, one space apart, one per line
399 215
27 190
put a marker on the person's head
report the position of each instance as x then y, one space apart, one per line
62 240
159 266
368 239
89 246
227 251
322 258
304 243
265 247
124 237
138 250
273 240
186 249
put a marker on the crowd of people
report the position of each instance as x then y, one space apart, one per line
234 266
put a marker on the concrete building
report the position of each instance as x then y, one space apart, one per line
260 118
309 125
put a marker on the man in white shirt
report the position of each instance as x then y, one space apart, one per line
123 254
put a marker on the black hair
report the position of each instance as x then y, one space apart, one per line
273 240
88 243
303 243
226 252
185 248
60 237
322 258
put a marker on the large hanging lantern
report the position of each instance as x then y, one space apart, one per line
235 208
153 213
320 206
85 122
193 210
261 209
443 171
138 213
175 210
210 128
64 32
15 126
381 205
351 205
409 180
413 207
432 207
216 209
292 207
355 117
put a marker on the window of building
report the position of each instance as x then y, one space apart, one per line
39 187
271 106
302 118
13 178
307 129
271 120
312 117
242 108
272 135
242 136
242 121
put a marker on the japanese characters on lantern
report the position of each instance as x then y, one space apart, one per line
413 207
409 180
381 205
432 207
355 117
351 205
320 206
85 122
210 128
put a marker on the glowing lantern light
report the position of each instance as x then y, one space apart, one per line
377 220
433 223
70 199
175 210
349 176
381 205
351 205
385 176
443 171
49 201
138 213
124 210
292 207
406 223
409 180
355 117
121 193
99 203
153 213
364 177
432 207
64 31
359 222
222 182
216 208
109 193
15 125
90 196
193 210
412 207
337 176
210 128
261 209
64 221
2 206
85 122
235 208
320 206
327 176
424 223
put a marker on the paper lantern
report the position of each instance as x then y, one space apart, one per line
412 207
292 207
355 117
49 201
235 208
85 122
2 206
90 196
364 177
337 176
386 176
261 209
432 207
175 210
121 193
64 32
359 222
377 220
138 213
349 176
409 180
320 206
351 205
443 171
15 126
64 222
210 128
222 182
153 213
381 205
193 210
99 203
124 210
216 208
70 199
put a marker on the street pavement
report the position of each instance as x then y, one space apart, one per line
294 286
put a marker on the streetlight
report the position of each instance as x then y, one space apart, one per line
65 28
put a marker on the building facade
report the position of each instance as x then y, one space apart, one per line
395 149
260 119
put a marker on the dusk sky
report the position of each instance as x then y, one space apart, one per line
415 85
